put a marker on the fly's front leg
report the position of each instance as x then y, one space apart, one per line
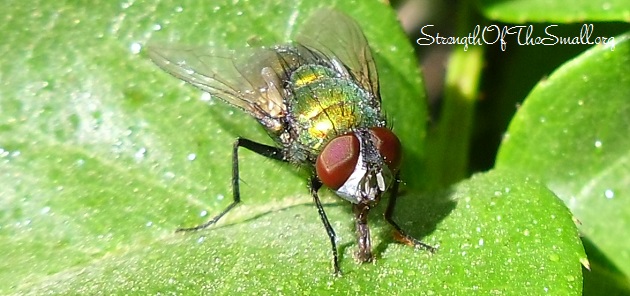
261 149
406 238
315 186
364 254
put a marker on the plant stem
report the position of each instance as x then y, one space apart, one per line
449 140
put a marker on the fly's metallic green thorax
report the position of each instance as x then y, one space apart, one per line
323 102
329 107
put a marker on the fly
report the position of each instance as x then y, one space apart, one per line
318 99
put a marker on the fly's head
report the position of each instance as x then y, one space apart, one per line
360 165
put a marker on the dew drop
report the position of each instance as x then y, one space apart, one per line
191 156
135 47
206 97
609 194
157 27
169 175
203 213
598 144
140 154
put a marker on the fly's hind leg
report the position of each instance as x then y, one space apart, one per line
261 149
406 238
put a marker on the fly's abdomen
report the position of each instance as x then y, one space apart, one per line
325 105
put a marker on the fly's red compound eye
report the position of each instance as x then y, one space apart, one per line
337 160
388 146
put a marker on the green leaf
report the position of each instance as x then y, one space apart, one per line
572 133
558 11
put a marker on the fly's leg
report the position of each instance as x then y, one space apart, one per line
261 149
406 238
364 254
315 186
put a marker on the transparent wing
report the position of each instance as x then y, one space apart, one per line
336 35
245 80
